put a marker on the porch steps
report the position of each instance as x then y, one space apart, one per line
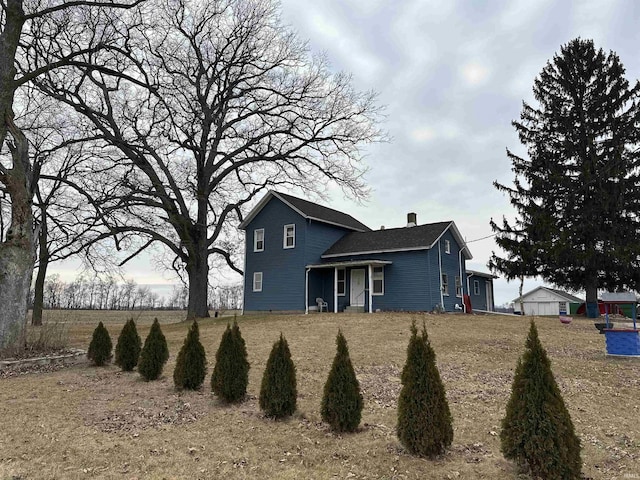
351 309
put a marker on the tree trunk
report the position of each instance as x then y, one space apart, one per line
43 263
521 299
16 268
198 272
592 310
198 285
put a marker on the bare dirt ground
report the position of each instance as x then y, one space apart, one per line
86 422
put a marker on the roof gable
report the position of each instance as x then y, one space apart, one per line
421 237
564 296
308 210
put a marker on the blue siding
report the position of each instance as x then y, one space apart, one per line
479 301
451 267
283 270
411 282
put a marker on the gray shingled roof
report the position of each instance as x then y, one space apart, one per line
392 239
324 214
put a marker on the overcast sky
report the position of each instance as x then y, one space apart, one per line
453 75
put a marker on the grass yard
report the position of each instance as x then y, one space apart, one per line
84 422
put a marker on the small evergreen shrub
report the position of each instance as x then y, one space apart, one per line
424 420
231 372
191 364
537 431
128 347
278 392
155 353
100 347
342 401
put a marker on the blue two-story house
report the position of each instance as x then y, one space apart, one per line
301 256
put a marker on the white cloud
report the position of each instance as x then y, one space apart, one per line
423 134
474 74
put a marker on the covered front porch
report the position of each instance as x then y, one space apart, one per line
344 284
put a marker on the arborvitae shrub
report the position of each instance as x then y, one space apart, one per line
100 347
155 353
191 364
128 347
424 419
537 431
278 391
231 372
342 401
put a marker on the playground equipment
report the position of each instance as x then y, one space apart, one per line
621 341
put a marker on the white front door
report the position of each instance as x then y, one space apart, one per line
357 288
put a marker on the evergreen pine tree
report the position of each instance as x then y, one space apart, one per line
537 431
191 364
231 373
577 192
128 347
341 400
155 353
278 391
424 420
99 351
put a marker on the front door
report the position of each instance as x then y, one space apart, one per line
357 287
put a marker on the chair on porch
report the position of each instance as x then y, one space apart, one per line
322 304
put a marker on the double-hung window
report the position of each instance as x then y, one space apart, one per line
458 287
289 240
257 281
476 287
258 240
378 281
445 284
341 284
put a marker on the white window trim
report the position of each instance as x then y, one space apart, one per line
343 281
447 246
476 287
255 240
458 282
257 275
284 236
373 275
444 285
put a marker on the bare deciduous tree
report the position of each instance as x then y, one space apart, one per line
214 103
70 32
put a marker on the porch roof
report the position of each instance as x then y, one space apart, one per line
351 263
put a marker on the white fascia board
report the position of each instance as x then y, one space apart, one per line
458 237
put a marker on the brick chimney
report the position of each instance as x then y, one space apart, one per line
412 219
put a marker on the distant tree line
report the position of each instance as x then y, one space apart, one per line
106 293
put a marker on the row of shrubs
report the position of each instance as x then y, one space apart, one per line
537 431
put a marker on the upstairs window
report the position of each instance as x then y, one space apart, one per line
378 281
341 283
476 287
447 246
289 240
458 287
258 240
257 281
445 284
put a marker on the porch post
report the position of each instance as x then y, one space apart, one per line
370 289
306 291
335 289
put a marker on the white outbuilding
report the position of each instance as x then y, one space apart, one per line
545 301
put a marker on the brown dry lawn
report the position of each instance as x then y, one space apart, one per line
86 422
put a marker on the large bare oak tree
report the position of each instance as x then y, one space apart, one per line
214 102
